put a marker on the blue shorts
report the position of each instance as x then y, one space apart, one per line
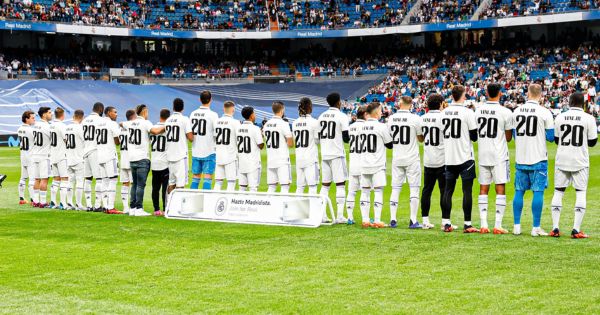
535 180
205 165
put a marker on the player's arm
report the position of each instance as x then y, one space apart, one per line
115 130
287 133
592 133
345 129
158 129
419 130
388 141
549 125
189 134
472 125
510 125
260 143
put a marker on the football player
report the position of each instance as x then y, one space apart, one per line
225 140
534 125
459 129
333 134
75 164
40 156
375 138
306 138
405 128
58 160
278 138
203 121
495 124
575 132
25 133
354 166
249 144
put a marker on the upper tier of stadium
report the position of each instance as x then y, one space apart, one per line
280 16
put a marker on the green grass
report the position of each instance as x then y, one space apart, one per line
77 262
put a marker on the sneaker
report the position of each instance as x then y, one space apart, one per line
393 224
158 213
341 220
80 208
61 207
578 234
538 232
141 213
378 225
415 225
34 204
350 222
428 226
366 224
500 231
484 230
52 205
23 202
89 209
470 229
43 205
126 211
70 207
517 229
101 209
555 232
448 228
113 211
2 178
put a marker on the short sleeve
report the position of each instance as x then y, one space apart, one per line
115 129
385 134
509 120
148 125
187 125
471 121
557 127
418 125
344 121
592 129
548 120
258 136
285 127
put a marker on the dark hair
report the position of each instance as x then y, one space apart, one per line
98 108
277 107
165 113
493 89
434 101
140 108
108 110
457 92
372 107
361 112
78 113
304 106
247 112
406 100
178 105
576 100
59 112
26 115
205 97
129 113
43 110
228 104
333 99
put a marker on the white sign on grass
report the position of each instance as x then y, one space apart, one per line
248 207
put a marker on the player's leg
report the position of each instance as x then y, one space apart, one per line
413 176
339 176
313 181
539 184
64 183
428 185
219 176
522 184
365 199
196 170
164 176
561 181
231 175
79 185
326 179
468 175
31 181
451 175
87 187
23 184
398 178
55 186
208 171
99 188
272 180
45 173
580 182
156 181
254 179
485 180
379 182
125 177
501 178
300 179
35 175
140 170
284 176
353 187
243 182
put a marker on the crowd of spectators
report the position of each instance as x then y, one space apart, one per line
503 8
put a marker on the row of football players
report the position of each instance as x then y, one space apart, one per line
230 147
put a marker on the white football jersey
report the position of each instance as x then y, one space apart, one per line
123 143
249 137
276 132
106 132
457 120
404 127
74 144
58 150
493 121
25 133
158 143
531 122
573 129
355 147
373 137
139 140
225 139
306 137
177 127
89 133
41 141
433 144
332 123
203 121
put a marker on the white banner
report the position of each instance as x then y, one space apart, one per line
248 207
122 72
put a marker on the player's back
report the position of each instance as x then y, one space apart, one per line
306 136
89 133
25 134
123 146
249 137
74 143
374 135
332 124
457 120
355 147
203 122
493 121
41 140
276 130
404 127
433 142
531 122
106 131
58 150
138 146
573 130
177 126
158 145
225 139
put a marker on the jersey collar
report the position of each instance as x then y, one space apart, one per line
372 119
457 104
403 111
576 108
248 122
434 111
360 120
533 102
176 113
334 108
493 102
227 115
140 117
276 117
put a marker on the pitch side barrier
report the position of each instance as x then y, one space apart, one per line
285 209
50 27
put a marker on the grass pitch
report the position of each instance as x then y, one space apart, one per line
77 262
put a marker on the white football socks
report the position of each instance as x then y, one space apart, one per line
500 209
580 204
340 199
556 207
483 210
414 203
365 204
394 197
378 204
